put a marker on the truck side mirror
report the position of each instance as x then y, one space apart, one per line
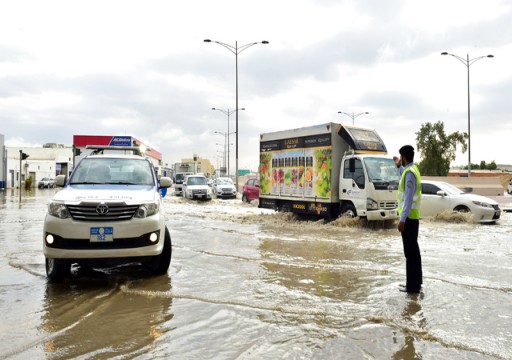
352 165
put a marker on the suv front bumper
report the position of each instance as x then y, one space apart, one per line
72 239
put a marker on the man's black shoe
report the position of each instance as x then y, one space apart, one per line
409 290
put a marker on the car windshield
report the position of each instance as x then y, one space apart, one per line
381 169
450 189
113 171
224 182
196 180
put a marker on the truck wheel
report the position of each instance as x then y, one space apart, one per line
57 270
160 263
349 210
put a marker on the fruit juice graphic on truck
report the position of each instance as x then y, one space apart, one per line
329 170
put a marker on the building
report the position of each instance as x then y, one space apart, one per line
49 161
196 165
80 143
57 159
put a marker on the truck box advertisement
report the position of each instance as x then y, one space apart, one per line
297 167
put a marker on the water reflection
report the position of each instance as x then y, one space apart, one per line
104 313
414 320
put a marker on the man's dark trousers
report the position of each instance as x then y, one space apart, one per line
412 255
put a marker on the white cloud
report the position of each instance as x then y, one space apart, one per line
142 69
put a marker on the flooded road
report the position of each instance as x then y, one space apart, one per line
247 283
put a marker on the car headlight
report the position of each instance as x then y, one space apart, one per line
58 209
482 204
147 209
371 204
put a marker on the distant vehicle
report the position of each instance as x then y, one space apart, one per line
46 183
510 187
196 187
223 187
178 183
251 190
110 209
438 196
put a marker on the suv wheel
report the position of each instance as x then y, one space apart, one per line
57 270
160 263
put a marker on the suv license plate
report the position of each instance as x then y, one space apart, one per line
102 234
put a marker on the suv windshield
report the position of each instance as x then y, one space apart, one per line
113 171
196 180
224 182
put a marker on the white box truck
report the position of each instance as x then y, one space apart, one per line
329 170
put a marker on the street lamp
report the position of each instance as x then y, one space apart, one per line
468 62
236 50
224 151
353 116
225 144
228 113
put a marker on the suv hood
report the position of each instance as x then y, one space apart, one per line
129 194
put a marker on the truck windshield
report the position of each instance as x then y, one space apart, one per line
381 170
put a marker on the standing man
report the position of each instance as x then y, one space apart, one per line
409 199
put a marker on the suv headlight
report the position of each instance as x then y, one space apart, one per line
147 209
58 209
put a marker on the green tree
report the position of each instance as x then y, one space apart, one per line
437 148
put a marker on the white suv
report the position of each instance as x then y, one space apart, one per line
109 209
196 187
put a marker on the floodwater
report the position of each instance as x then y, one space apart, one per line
247 283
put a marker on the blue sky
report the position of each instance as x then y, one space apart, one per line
141 68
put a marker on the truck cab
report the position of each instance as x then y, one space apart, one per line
368 185
178 183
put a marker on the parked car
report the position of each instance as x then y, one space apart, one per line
251 190
510 187
438 196
196 187
109 210
223 187
46 183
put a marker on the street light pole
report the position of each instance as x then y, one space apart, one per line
228 113
236 50
468 62
353 116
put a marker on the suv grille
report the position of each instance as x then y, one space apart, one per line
102 211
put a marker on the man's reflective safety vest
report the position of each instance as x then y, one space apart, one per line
416 200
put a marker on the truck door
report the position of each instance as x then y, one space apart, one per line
353 183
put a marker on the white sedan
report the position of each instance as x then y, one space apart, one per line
438 196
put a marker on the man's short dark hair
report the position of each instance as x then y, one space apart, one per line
407 151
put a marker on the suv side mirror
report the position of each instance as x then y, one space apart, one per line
60 180
352 165
165 182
